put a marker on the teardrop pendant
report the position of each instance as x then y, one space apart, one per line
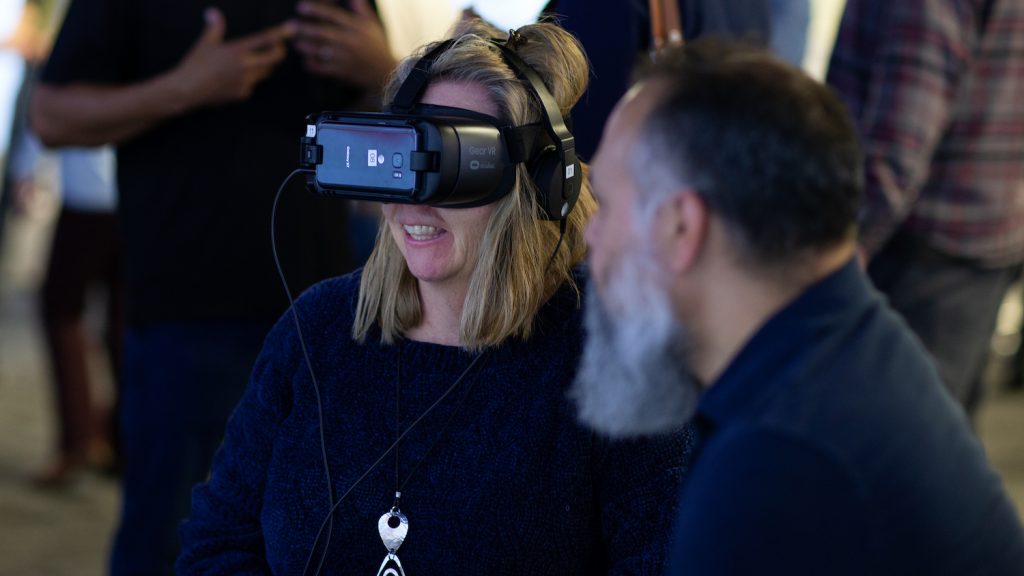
393 526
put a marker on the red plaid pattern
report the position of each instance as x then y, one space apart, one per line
939 104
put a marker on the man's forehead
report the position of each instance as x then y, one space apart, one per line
631 112
626 121
641 99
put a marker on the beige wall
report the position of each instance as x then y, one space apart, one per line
825 15
412 23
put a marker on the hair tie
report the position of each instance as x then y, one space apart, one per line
515 39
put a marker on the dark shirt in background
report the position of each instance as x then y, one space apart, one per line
196 191
195 203
617 33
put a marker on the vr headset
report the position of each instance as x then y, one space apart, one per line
441 156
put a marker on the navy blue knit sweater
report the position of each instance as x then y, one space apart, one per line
512 486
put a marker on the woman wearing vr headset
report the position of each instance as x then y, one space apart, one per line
438 437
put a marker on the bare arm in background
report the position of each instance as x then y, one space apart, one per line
212 72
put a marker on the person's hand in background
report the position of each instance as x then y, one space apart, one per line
347 45
216 72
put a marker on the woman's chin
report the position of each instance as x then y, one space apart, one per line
429 270
431 261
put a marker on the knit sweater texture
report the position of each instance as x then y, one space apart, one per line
498 479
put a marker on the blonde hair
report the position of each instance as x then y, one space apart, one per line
511 279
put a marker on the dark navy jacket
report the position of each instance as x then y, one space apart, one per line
829 446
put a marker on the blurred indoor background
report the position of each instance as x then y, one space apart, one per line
67 531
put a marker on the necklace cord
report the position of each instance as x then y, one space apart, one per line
398 391
330 513
458 407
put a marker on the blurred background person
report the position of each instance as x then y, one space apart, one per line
84 256
935 88
205 105
12 66
617 35
23 42
479 302
14 17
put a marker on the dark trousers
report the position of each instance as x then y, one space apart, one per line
84 254
181 382
950 303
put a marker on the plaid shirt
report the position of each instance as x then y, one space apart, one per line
939 105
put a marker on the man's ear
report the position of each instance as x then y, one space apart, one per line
683 228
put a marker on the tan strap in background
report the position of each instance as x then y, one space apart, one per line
666 25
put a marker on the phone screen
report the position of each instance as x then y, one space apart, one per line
359 157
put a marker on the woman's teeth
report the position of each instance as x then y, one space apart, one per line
421 232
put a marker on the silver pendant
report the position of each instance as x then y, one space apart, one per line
393 526
391 566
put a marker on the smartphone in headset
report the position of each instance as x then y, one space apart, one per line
447 157
367 157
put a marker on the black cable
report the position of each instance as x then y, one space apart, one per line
440 433
309 365
398 392
554 253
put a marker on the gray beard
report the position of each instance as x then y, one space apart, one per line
634 378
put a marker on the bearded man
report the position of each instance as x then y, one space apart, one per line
727 292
